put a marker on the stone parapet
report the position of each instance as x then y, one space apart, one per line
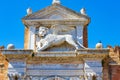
93 51
17 51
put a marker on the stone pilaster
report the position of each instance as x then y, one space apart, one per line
26 38
85 37
79 29
32 37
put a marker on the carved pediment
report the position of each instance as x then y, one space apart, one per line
55 12
63 25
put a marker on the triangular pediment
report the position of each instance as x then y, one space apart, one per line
55 11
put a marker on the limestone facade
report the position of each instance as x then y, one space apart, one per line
81 65
64 53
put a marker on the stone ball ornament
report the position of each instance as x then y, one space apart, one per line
99 45
56 2
83 11
10 46
29 11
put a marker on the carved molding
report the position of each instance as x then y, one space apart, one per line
71 22
57 57
64 59
55 72
16 56
51 60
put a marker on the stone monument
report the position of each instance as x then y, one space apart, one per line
56 47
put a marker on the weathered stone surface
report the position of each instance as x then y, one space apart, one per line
26 38
61 62
3 67
114 63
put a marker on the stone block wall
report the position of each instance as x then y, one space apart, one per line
3 67
114 63
114 72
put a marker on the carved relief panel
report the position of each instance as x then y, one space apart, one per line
57 38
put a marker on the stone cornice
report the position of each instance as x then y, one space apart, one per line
93 51
16 51
16 54
68 57
56 57
65 59
48 22
93 56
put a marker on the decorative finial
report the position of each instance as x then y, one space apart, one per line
99 45
10 46
83 11
29 11
56 2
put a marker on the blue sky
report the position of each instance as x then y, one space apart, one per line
104 14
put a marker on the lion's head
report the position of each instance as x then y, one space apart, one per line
42 31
